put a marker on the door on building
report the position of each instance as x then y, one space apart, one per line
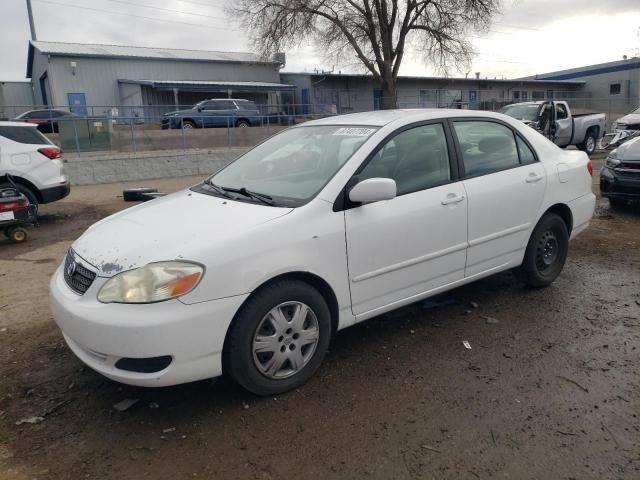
77 103
377 99
304 98
44 85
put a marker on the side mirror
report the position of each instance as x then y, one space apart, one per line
200 109
373 190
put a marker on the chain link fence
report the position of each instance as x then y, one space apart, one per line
108 130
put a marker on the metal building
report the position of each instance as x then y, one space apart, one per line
91 79
319 93
613 87
15 98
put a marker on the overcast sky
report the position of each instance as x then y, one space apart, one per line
529 37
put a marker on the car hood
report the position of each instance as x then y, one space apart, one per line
629 151
185 225
631 118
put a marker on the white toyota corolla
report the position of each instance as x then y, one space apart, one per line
322 226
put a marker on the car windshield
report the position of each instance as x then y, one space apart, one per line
526 113
293 166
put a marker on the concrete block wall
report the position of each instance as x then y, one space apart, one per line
91 169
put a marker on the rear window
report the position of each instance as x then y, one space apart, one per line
28 135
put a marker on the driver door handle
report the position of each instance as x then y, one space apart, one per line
533 177
452 198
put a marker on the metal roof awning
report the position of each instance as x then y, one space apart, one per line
212 85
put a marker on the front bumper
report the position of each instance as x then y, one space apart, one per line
102 334
51 194
615 185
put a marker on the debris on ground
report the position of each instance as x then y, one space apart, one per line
474 305
566 379
490 320
169 430
466 344
30 420
154 405
126 404
431 449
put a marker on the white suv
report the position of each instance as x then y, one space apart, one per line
33 161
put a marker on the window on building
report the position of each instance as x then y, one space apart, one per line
525 96
537 95
615 89
516 95
487 147
416 159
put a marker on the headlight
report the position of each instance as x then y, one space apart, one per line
612 159
155 282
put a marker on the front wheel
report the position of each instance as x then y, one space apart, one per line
278 338
242 124
546 252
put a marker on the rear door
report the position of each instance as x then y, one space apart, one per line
505 184
400 248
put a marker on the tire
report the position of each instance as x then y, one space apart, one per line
137 194
285 361
242 124
617 203
18 235
188 124
26 191
589 144
546 252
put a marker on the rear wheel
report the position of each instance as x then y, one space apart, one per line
279 338
589 144
17 235
546 252
188 124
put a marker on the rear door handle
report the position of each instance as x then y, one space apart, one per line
452 198
533 177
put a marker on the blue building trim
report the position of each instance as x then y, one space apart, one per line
593 71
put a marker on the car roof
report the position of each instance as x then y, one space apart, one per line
18 124
380 118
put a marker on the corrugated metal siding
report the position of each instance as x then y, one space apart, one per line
98 78
95 50
15 98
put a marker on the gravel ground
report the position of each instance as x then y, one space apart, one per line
550 388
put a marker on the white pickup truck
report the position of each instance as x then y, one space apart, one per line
555 121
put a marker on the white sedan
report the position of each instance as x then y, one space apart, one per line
320 227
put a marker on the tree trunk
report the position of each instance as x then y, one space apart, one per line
388 94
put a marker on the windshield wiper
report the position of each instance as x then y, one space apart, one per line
220 190
266 199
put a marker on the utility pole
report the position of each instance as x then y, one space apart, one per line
32 25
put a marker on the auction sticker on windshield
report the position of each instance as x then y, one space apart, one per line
354 132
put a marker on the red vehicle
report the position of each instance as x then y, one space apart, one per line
16 213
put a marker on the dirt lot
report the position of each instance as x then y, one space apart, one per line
550 389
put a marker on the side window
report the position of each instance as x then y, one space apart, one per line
526 155
212 105
561 112
487 147
416 159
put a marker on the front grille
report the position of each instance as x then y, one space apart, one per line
628 168
78 277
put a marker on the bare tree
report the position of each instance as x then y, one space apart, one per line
376 31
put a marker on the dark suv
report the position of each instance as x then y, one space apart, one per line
47 120
620 175
220 112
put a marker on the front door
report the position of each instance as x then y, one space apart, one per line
77 103
563 126
400 248
505 186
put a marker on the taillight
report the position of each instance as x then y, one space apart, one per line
51 152
590 167
9 206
